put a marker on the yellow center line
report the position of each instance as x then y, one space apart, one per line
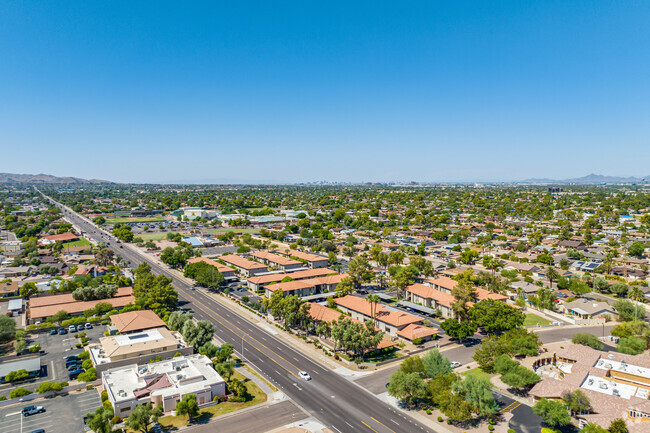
383 424
512 406
506 408
209 313
369 427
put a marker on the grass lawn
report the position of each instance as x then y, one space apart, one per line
79 243
256 396
478 373
134 220
232 229
533 319
158 236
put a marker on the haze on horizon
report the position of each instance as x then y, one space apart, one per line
294 91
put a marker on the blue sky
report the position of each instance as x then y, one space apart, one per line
293 91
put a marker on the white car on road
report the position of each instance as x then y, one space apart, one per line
455 364
304 375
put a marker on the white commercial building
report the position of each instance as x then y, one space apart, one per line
162 383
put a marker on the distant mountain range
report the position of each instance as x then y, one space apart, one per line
44 178
591 179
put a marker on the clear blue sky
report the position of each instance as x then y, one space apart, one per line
292 91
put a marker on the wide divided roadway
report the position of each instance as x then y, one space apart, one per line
330 398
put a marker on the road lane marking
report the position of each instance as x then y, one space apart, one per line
350 425
209 313
382 424
369 427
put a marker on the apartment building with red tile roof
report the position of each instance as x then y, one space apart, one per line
388 319
244 266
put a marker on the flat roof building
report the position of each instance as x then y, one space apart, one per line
162 383
138 347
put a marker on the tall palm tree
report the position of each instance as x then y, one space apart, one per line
552 275
374 300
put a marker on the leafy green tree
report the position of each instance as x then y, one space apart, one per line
19 392
188 406
491 347
99 220
627 310
478 391
225 352
15 376
413 364
587 339
20 345
28 289
407 387
360 271
618 426
495 316
576 401
631 345
226 369
522 342
123 233
435 364
51 386
100 421
464 293
459 330
636 328
554 413
7 329
591 427
143 416
345 286
636 249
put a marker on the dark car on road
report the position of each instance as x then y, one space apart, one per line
53 331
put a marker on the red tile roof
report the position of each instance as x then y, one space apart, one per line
383 314
61 237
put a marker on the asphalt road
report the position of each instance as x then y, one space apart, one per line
333 400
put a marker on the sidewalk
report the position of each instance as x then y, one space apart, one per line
271 395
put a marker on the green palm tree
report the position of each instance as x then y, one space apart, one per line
374 300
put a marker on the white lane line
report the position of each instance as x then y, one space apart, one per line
393 421
350 425
337 429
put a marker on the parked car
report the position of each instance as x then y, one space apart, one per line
73 367
455 364
80 327
53 331
304 375
40 430
70 357
89 326
62 331
74 374
32 410
72 328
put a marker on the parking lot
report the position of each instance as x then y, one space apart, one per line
55 348
63 414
